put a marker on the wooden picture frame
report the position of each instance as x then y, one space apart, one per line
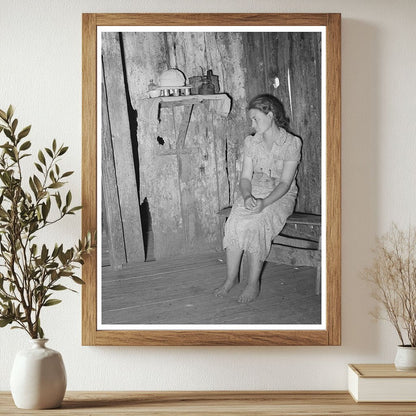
331 333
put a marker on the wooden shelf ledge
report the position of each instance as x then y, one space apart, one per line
213 403
188 99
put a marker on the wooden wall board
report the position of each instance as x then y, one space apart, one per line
305 69
111 211
122 148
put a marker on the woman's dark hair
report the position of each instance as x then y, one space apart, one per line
268 102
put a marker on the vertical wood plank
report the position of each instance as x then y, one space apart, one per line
111 207
305 75
122 148
231 52
298 56
255 64
279 58
145 59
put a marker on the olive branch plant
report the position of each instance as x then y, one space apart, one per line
393 278
30 273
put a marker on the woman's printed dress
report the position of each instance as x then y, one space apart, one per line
254 232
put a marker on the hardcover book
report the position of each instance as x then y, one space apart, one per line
381 383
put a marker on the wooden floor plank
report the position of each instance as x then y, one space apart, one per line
180 291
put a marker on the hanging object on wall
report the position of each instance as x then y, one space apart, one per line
211 81
172 77
276 82
206 87
172 82
153 90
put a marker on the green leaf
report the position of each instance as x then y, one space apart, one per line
14 125
3 115
39 167
51 302
25 155
40 332
68 199
54 145
62 257
67 174
4 298
63 150
33 187
56 185
55 251
37 182
25 145
5 321
59 287
49 152
45 210
24 132
76 279
34 249
41 157
10 112
44 253
8 133
58 199
72 210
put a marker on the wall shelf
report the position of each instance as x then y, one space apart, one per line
172 101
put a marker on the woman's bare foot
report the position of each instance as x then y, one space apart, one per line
250 293
225 288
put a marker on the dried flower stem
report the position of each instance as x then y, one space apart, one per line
393 276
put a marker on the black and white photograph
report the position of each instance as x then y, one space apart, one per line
211 148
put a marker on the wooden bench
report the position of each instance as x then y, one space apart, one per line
299 243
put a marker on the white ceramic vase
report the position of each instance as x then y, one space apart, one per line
405 358
38 377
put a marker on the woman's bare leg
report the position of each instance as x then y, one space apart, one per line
252 289
233 267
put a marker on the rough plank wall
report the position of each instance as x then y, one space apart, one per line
295 58
119 129
194 54
184 191
186 188
305 67
111 214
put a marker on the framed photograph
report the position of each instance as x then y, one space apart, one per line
211 172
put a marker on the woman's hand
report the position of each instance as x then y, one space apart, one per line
250 202
260 205
254 204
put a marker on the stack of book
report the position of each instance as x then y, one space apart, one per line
381 383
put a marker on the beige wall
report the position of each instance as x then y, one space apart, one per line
40 73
